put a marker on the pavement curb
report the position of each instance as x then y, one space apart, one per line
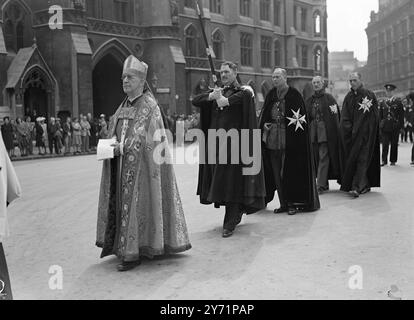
49 156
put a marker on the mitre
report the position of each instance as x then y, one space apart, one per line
132 63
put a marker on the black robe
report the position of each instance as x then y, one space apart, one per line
298 174
332 122
223 184
353 121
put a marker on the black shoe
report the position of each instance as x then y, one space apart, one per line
281 210
383 164
366 190
127 266
354 194
393 164
412 163
292 211
227 233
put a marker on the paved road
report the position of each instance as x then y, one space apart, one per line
307 256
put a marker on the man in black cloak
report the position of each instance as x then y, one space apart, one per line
287 154
230 109
324 117
360 132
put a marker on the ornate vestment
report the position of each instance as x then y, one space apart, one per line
140 210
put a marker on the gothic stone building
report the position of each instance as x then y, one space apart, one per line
77 68
391 46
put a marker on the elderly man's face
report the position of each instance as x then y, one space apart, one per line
132 83
317 84
355 81
279 78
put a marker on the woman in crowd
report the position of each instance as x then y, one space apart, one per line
40 136
21 130
77 139
8 135
67 135
85 133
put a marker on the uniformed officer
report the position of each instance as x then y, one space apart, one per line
392 121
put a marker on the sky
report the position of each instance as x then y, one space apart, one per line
347 21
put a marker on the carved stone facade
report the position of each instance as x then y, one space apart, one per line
84 58
391 46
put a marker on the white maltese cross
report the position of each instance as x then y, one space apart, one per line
365 105
334 109
297 120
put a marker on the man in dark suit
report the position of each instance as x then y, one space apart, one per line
391 124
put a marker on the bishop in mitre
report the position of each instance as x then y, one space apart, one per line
140 210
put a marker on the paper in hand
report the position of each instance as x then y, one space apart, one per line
105 150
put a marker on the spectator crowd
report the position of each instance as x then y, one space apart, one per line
27 137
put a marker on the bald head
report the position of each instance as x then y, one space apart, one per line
355 79
318 83
279 77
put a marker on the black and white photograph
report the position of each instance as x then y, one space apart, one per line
206 150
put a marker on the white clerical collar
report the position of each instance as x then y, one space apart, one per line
134 99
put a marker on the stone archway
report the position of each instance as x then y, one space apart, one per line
37 94
108 63
107 86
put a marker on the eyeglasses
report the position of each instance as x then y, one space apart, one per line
129 77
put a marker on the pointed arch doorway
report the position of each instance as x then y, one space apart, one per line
107 86
37 94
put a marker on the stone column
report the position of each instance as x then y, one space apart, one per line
68 55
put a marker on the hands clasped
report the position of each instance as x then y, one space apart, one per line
217 95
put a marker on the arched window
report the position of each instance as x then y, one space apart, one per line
14 21
246 49
122 10
9 36
20 35
318 59
304 56
265 10
317 23
218 41
216 6
277 49
266 51
189 4
245 6
191 41
91 8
